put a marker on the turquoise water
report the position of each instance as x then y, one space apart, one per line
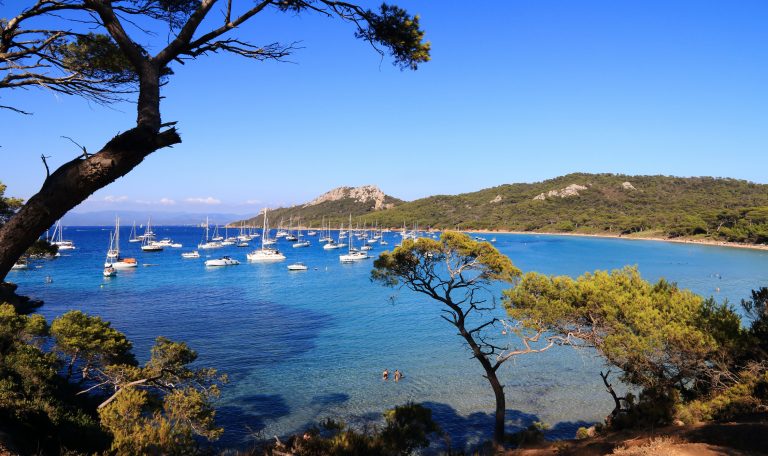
302 346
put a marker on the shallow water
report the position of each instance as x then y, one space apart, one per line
302 346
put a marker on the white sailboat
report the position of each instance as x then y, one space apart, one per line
113 254
352 254
208 243
109 270
148 243
216 235
331 244
58 234
326 237
133 237
265 254
301 242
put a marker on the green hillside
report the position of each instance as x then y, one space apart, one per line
704 207
727 209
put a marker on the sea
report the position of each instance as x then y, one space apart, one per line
300 347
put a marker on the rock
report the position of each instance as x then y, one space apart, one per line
627 186
366 193
571 190
497 199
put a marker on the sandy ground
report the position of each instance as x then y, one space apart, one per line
707 439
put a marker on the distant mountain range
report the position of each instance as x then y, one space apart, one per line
615 204
106 218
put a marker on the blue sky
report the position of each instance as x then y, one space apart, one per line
517 91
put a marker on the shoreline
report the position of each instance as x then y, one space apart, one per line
705 242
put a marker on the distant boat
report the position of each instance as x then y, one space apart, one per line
352 254
19 265
109 270
297 267
208 243
148 243
223 261
132 237
216 235
265 254
290 236
192 254
113 255
58 234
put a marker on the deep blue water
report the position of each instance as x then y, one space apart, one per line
299 347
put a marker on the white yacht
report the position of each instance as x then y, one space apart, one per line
58 233
148 243
133 237
297 267
192 254
19 265
113 255
109 270
352 254
208 243
265 254
223 261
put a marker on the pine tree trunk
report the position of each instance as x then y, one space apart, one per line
72 183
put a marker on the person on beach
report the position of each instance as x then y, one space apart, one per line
385 374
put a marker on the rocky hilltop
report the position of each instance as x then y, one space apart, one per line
364 194
335 206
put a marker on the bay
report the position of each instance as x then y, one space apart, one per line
302 346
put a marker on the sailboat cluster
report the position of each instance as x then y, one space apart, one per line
346 238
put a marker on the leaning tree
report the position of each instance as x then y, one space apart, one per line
457 272
100 49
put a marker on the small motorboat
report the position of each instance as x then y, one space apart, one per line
297 267
109 271
192 254
223 261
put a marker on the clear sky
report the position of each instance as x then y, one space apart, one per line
517 91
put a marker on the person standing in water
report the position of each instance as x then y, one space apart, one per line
385 374
398 375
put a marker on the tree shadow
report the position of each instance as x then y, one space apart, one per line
245 421
467 433
325 400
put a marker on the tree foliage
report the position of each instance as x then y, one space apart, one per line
659 335
162 407
90 341
8 206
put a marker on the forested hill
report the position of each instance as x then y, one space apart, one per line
335 206
716 208
728 209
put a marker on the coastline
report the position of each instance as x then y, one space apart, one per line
705 242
